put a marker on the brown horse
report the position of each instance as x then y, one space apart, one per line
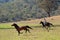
47 25
21 28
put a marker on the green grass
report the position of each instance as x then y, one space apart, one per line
36 34
5 25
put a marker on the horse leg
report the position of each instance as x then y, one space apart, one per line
50 26
43 28
18 32
47 29
27 30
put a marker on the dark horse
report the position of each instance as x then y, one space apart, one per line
21 28
47 25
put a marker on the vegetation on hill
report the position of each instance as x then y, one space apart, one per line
17 10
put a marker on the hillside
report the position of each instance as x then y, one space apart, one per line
53 19
17 10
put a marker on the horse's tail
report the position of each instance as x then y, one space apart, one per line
28 27
51 24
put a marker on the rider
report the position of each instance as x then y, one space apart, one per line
45 21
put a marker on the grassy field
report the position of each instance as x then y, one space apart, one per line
38 33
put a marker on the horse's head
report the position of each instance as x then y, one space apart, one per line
14 24
41 22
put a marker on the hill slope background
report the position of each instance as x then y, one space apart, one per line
55 20
16 10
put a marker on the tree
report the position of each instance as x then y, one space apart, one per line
48 5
